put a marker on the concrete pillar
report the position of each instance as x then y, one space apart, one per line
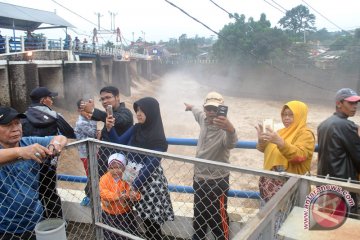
22 41
79 82
4 84
7 45
52 78
121 76
23 78
146 70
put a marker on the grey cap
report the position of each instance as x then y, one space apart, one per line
347 94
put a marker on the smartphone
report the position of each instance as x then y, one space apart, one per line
109 110
222 110
268 123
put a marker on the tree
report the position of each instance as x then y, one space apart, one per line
247 41
298 19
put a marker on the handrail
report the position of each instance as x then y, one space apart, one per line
172 187
193 142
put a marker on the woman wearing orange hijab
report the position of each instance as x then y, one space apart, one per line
290 149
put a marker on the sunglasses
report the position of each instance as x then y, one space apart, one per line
211 108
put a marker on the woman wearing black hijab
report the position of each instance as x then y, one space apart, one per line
155 205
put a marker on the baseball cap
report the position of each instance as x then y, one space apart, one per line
41 92
213 99
7 114
117 157
347 94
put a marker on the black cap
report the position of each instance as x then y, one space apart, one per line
7 114
41 92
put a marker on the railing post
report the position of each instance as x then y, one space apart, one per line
22 42
61 44
304 190
46 43
93 179
7 44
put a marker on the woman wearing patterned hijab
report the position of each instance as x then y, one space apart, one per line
290 149
155 205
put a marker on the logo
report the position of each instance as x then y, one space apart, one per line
327 207
1 115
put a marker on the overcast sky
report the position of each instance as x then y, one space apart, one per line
158 20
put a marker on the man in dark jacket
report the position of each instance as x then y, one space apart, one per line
42 121
339 142
123 119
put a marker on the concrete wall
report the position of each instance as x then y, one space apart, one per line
121 76
71 79
78 82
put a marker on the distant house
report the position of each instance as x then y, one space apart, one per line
329 59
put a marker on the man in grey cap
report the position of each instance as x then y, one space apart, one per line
339 142
43 121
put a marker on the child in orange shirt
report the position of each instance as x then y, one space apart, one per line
117 198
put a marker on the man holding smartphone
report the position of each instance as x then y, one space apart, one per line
211 184
109 96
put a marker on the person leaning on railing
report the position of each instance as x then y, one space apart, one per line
290 149
155 206
211 184
339 142
20 161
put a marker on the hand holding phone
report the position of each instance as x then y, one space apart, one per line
109 110
268 124
222 110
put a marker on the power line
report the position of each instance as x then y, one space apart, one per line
104 29
325 17
250 53
275 7
230 14
280 6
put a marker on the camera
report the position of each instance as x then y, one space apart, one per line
222 110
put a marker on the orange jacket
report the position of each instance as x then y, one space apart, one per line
111 194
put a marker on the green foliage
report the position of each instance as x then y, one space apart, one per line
243 41
298 19
109 45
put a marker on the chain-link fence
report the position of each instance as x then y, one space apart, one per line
250 204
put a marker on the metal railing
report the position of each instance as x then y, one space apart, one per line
21 44
250 217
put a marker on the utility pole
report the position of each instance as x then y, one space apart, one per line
112 16
99 16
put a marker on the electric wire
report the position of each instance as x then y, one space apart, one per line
282 11
327 19
280 6
87 20
250 53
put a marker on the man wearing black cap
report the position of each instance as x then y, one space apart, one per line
42 121
20 207
339 142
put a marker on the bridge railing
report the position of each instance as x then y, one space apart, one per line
21 44
249 214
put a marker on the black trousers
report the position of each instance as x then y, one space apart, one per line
47 192
210 208
152 230
125 222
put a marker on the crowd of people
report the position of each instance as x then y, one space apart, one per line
31 142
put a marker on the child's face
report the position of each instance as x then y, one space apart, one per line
116 169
